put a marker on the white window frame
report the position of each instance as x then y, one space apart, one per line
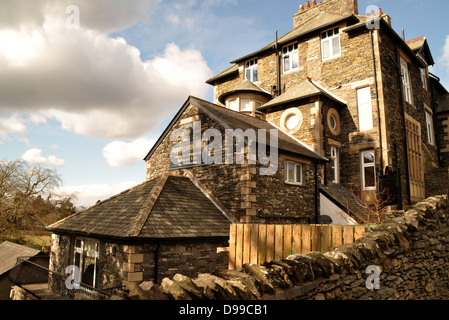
290 52
81 251
368 165
297 167
327 41
251 104
406 83
424 78
430 128
365 109
335 164
236 105
252 70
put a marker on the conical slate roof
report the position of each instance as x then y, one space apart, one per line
169 207
245 86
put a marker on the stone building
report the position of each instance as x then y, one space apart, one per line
354 91
339 113
167 225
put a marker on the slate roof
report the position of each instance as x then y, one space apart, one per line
230 119
9 252
169 207
305 89
245 86
420 45
316 23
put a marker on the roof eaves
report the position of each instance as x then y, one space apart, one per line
230 71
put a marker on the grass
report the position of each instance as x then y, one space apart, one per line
37 241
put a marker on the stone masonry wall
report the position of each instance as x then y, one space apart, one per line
411 250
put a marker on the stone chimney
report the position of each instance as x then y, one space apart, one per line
313 8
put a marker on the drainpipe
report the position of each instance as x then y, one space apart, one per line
278 68
377 103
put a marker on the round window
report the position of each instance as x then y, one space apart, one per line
333 120
292 121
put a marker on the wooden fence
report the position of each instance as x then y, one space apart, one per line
257 244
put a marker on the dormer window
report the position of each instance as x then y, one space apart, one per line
251 70
330 44
290 57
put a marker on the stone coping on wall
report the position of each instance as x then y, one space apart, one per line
411 250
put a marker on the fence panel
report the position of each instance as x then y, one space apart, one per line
258 244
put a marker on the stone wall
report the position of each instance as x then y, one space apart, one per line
240 187
121 264
411 251
334 6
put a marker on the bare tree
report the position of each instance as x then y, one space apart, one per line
26 193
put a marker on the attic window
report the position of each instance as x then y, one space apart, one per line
330 44
251 70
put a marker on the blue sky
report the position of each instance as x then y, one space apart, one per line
91 101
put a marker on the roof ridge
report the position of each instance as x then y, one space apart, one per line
142 216
210 196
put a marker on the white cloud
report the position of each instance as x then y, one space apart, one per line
35 156
11 124
121 154
88 195
93 84
444 59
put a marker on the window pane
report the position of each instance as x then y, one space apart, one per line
368 157
248 73
255 74
298 174
247 105
292 122
290 172
287 63
370 178
233 105
326 49
365 109
295 60
336 46
333 122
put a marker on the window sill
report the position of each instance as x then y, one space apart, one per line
290 71
331 58
295 184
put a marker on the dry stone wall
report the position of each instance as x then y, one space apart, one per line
411 251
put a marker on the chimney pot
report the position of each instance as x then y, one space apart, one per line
380 13
301 7
313 2
307 4
373 13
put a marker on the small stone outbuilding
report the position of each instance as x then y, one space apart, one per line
168 225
